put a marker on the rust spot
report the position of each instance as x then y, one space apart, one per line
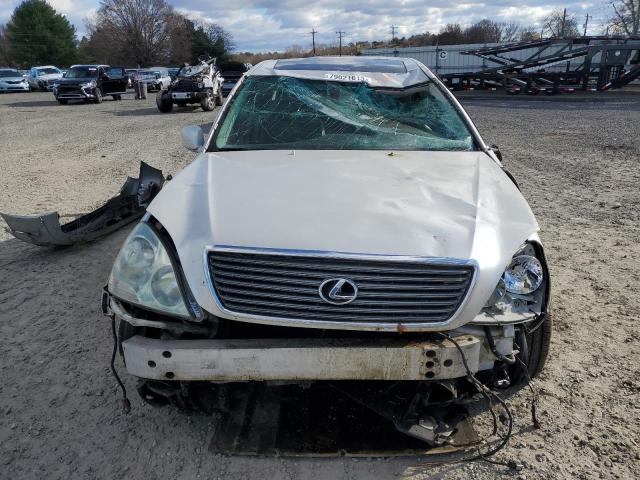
401 328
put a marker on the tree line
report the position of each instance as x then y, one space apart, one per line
123 32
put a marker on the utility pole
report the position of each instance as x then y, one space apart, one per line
393 33
313 40
564 19
586 23
340 33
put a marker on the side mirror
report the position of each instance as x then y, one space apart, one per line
192 137
496 151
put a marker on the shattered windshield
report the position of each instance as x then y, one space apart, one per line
279 112
192 70
47 71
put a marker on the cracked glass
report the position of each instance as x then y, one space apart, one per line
280 112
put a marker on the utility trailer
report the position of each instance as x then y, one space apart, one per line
551 65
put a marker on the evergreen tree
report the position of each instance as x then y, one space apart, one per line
38 35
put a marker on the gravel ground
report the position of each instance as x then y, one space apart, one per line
577 159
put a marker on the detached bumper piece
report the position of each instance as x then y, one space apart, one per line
127 206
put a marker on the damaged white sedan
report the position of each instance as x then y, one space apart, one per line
344 220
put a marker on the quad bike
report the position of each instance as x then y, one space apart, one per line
200 83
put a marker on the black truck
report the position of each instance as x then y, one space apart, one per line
91 83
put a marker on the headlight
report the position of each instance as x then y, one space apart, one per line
524 275
143 274
90 84
519 288
200 85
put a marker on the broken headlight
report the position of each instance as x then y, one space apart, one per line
144 275
524 275
519 290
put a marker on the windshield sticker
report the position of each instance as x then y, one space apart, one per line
345 77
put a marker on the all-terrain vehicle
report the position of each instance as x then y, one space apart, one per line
200 83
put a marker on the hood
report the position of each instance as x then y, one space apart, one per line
75 81
50 76
432 204
12 79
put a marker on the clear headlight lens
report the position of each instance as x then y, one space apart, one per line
90 84
524 275
142 274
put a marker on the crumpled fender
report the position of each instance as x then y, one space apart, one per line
129 205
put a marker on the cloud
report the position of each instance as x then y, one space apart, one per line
267 25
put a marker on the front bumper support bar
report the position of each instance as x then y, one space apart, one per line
306 359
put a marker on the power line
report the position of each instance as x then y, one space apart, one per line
313 40
586 23
393 29
340 34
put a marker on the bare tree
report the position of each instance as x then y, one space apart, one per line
529 34
133 31
451 34
560 24
626 17
509 31
484 31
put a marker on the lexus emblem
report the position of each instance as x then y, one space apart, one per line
338 291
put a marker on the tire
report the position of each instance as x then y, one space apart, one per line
62 101
98 93
208 103
534 354
117 97
164 107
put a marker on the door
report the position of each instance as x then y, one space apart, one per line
113 80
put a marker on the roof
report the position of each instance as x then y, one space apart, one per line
390 72
89 65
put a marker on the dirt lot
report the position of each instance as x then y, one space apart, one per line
578 163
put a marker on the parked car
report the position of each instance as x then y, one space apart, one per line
91 83
232 72
156 78
200 83
344 220
43 78
12 81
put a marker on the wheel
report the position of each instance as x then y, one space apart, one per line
62 101
208 103
163 106
219 99
98 95
117 97
534 346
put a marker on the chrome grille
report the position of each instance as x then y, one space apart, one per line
389 290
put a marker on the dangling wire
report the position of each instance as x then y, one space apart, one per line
126 404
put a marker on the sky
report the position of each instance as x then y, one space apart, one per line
269 25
